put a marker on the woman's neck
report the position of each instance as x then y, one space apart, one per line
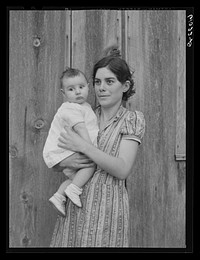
107 113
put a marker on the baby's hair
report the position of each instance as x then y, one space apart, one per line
70 73
113 61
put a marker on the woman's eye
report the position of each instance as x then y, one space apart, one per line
97 82
109 81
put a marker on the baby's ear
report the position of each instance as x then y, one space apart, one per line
62 91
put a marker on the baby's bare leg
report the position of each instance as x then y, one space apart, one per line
63 186
75 188
82 176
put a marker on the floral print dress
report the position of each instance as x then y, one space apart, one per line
103 220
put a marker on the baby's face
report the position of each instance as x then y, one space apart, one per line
75 89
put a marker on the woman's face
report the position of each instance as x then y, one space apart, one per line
109 90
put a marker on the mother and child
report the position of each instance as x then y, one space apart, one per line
96 152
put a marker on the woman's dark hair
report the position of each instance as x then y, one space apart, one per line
113 61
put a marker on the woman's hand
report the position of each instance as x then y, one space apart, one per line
75 162
70 140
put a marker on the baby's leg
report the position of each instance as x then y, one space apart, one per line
75 188
83 176
59 198
63 186
70 174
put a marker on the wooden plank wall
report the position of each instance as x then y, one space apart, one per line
37 57
92 31
42 44
157 185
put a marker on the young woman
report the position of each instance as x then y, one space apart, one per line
103 219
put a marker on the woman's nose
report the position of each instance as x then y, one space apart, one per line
102 86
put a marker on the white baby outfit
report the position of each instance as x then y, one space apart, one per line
69 114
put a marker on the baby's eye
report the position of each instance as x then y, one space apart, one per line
81 86
70 89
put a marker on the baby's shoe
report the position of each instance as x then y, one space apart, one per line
72 191
58 201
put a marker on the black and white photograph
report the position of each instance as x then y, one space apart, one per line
97 129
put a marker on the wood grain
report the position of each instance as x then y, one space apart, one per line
157 204
180 151
37 52
92 31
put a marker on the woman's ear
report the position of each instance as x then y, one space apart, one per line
126 86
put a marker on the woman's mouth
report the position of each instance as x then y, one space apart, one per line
103 96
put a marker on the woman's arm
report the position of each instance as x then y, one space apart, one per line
119 167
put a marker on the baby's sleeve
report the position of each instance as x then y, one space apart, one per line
72 114
134 126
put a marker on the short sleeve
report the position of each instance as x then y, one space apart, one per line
134 126
72 114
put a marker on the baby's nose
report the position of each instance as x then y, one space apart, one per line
78 91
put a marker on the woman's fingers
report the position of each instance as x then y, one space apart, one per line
89 165
68 131
63 136
77 161
62 142
62 146
82 161
82 158
66 134
66 128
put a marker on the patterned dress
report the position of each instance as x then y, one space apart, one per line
103 219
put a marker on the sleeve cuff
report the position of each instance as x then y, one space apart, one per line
131 137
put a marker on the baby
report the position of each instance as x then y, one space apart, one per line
76 113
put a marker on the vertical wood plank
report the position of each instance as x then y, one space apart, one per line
68 38
180 149
134 56
20 175
92 31
37 54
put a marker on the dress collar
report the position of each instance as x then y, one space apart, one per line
118 115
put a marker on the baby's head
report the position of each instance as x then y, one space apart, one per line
74 86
